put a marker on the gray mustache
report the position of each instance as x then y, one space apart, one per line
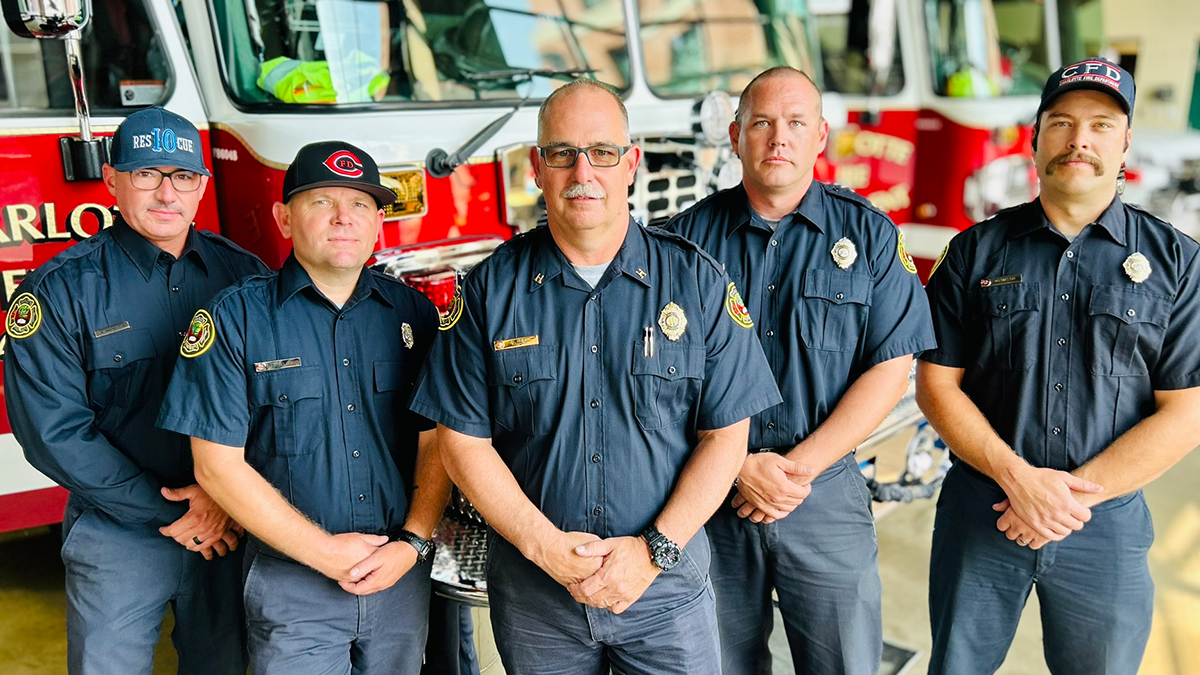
585 190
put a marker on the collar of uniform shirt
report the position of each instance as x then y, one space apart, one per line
549 260
145 254
293 278
811 208
1112 220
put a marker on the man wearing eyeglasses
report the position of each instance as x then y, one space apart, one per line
93 336
592 391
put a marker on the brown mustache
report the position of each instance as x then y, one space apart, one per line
1075 157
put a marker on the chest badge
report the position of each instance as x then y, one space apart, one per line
406 333
672 321
1137 267
200 335
24 316
844 253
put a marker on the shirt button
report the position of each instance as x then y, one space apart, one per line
596 458
518 379
1062 341
180 333
770 287
174 289
357 453
362 498
1002 307
594 297
770 425
350 407
283 398
1065 297
597 511
774 242
1056 431
1130 312
117 358
1070 254
1058 386
839 296
770 333
670 370
595 404
595 349
345 362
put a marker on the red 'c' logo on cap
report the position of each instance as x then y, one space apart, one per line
345 163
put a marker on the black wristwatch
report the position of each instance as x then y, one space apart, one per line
664 553
424 546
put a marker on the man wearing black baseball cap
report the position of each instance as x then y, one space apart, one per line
93 336
1066 378
294 387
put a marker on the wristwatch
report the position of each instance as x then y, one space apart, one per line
664 553
424 546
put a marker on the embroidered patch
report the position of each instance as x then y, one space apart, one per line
200 335
453 312
736 308
941 257
905 258
24 316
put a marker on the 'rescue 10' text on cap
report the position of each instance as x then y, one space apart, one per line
335 164
157 137
1096 74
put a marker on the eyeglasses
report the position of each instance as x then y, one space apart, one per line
149 179
565 156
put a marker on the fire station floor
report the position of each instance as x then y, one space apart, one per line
33 640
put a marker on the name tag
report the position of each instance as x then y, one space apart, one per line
124 325
514 343
1000 281
279 364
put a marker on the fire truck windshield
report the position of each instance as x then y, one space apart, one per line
964 51
323 52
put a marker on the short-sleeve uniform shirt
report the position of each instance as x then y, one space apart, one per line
316 394
831 289
595 423
1064 343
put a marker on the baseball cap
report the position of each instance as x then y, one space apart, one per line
335 164
1096 74
157 137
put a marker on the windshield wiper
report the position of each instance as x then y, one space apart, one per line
440 164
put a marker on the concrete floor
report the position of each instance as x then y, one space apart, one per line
32 623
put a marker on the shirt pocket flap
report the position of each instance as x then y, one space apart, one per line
670 362
119 349
522 365
389 376
838 287
282 388
1130 306
1010 298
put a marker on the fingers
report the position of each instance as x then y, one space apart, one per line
172 495
367 565
797 471
738 500
231 539
1001 507
219 548
375 540
1079 484
595 549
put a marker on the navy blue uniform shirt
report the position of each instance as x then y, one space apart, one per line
1063 350
595 426
84 385
821 326
317 395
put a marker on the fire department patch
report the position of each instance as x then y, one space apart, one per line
24 316
737 308
905 258
453 312
200 335
939 260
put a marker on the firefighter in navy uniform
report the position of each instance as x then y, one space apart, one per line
93 339
1066 378
592 391
295 388
840 313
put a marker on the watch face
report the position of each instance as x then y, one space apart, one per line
667 557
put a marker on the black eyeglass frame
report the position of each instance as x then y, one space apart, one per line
162 175
621 150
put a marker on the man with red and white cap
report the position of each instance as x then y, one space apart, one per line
294 387
1066 378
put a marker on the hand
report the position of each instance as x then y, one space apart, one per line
561 560
771 486
1045 500
342 554
627 571
205 521
1016 529
380 570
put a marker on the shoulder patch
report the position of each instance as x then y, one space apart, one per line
201 333
454 312
905 258
24 316
736 308
940 258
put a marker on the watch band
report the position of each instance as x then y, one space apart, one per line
423 546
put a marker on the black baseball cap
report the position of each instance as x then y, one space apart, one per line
157 137
335 164
1096 74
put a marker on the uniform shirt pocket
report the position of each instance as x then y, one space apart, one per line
286 411
524 386
835 309
666 384
1011 316
1125 330
118 366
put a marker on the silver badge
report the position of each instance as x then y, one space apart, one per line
406 333
844 253
1137 267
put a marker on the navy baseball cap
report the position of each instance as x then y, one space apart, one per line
335 164
1096 74
157 137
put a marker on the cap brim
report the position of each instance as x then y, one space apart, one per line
383 196
134 165
1091 86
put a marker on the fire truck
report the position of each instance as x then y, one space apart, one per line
930 101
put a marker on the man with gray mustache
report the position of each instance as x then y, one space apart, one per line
1066 378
